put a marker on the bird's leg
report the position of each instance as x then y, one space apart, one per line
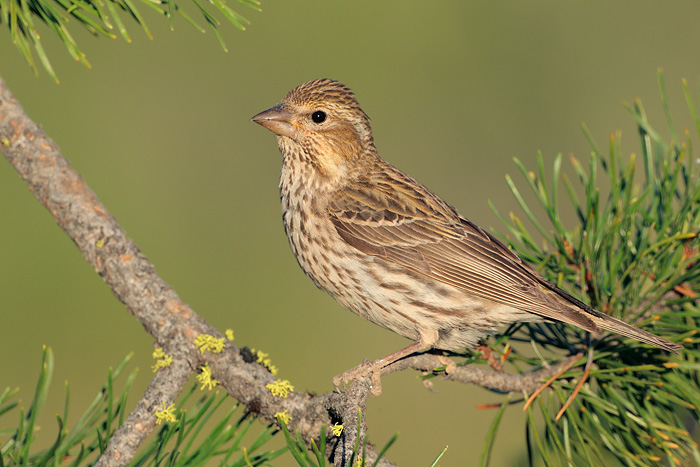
374 368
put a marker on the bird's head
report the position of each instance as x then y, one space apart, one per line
320 122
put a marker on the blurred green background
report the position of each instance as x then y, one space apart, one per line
160 130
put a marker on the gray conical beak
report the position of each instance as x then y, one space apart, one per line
276 119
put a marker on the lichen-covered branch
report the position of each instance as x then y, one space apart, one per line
173 324
134 281
162 391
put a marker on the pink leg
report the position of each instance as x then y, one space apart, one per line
399 354
374 367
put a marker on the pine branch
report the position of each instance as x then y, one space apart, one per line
625 274
100 18
133 280
488 379
173 324
635 255
186 437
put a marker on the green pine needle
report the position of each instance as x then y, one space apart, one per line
630 248
208 429
22 16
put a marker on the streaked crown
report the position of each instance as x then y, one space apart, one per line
323 91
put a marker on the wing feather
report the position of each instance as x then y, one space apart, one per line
395 218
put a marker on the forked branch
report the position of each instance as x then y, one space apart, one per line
172 323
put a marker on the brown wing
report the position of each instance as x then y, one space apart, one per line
391 216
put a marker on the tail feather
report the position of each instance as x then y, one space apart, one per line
620 327
602 321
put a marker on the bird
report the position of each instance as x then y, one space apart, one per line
392 251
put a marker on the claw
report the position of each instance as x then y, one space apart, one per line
366 368
449 364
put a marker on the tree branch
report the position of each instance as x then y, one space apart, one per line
164 388
133 280
173 324
489 379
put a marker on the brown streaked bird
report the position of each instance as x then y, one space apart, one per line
393 252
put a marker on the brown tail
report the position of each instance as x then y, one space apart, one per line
593 319
620 327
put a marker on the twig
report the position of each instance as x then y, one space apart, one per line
164 388
561 370
577 389
488 379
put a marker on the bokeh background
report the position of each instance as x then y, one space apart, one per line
160 130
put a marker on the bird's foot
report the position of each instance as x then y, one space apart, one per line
364 369
374 368
448 363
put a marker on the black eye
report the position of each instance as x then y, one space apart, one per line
319 116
